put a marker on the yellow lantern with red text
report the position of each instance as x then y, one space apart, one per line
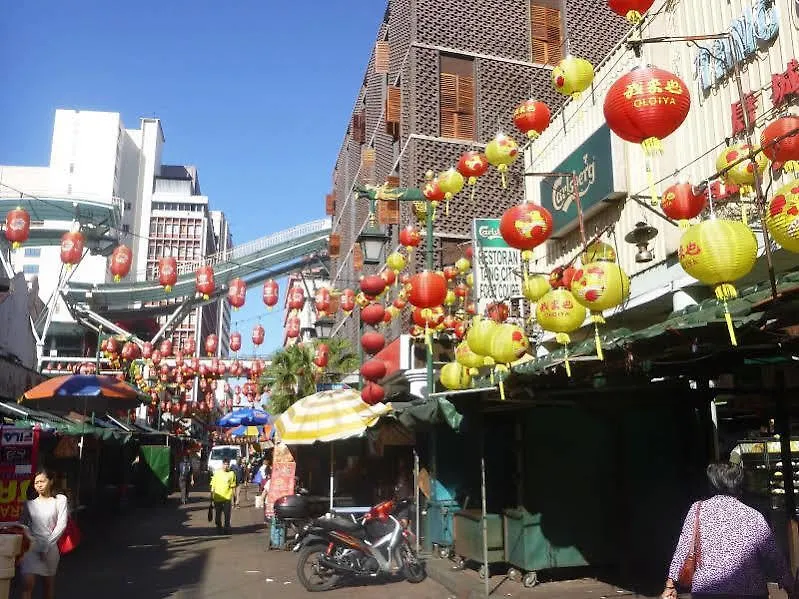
718 252
501 152
572 76
559 312
600 286
782 216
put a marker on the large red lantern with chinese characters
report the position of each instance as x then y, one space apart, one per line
372 342
237 293
780 143
270 293
428 289
321 355
372 393
296 298
258 334
71 247
211 344
204 281
18 227
410 237
167 272
531 117
235 341
119 263
632 10
166 348
647 105
322 301
373 313
525 226
292 327
347 301
373 285
373 370
682 203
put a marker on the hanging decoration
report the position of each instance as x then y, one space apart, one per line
237 293
292 327
508 344
322 301
372 342
388 276
296 298
372 285
525 227
204 281
682 203
372 393
258 335
373 314
270 293
531 117
190 346
451 182
147 350
780 143
347 301
480 335
428 289
782 216
463 265
599 251
467 358
235 341
559 312
434 194
632 10
373 370
18 227
165 348
455 376
396 262
501 152
534 288
211 344
737 169
167 273
321 355
410 237
120 262
572 76
72 244
719 252
472 165
600 286
498 311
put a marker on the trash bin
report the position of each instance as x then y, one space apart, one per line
440 524
527 549
468 538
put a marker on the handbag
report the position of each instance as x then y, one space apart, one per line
70 539
694 558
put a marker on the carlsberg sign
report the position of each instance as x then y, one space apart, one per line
496 265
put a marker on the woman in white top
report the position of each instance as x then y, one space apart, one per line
47 518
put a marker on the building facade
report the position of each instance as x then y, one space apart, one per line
94 158
443 78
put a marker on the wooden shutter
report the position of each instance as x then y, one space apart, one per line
368 156
330 204
382 57
358 128
393 181
388 212
357 257
334 245
547 34
457 106
393 110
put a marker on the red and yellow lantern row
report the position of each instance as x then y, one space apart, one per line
718 253
237 293
525 227
120 262
739 170
18 227
782 216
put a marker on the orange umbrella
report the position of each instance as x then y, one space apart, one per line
83 392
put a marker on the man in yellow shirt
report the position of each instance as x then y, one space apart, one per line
223 482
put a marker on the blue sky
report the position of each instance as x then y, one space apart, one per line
256 93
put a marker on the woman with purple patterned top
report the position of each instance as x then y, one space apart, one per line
738 554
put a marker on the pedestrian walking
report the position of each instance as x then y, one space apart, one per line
223 483
185 478
46 516
726 549
238 470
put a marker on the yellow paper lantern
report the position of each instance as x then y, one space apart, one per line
454 376
466 357
718 252
600 286
743 173
450 298
470 280
450 182
558 311
534 288
509 343
781 216
572 76
463 265
396 261
480 335
598 251
501 152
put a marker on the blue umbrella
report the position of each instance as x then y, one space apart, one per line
246 417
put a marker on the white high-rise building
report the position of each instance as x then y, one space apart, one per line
95 159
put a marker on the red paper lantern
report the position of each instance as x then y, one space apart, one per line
373 370
525 226
237 293
681 202
646 105
72 247
400 303
433 192
428 318
410 237
783 151
472 165
531 117
347 301
166 348
372 342
498 312
450 322
235 341
296 298
460 329
293 327
204 281
258 334
130 351
18 226
373 285
321 355
450 273
428 289
270 293
322 301
211 344
179 358
373 313
372 393
190 346
167 272
120 261
156 357
389 276
462 290
561 277
147 350
632 10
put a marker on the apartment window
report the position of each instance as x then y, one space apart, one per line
456 92
33 252
546 28
30 269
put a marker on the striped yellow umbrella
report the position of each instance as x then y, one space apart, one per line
328 416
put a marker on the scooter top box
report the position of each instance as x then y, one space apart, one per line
298 507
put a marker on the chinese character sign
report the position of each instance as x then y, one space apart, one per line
19 449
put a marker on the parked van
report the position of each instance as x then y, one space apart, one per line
221 452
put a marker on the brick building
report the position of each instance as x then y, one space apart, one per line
444 76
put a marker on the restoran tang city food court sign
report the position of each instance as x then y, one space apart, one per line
592 166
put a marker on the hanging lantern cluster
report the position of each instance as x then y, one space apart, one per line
120 262
18 227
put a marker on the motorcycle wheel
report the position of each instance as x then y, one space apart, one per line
413 570
311 574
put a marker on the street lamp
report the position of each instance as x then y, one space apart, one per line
324 327
372 240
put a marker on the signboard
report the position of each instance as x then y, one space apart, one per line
592 162
282 481
497 266
19 451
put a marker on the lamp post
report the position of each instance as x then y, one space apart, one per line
324 327
372 240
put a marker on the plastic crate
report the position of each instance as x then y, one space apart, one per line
440 521
468 536
527 548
